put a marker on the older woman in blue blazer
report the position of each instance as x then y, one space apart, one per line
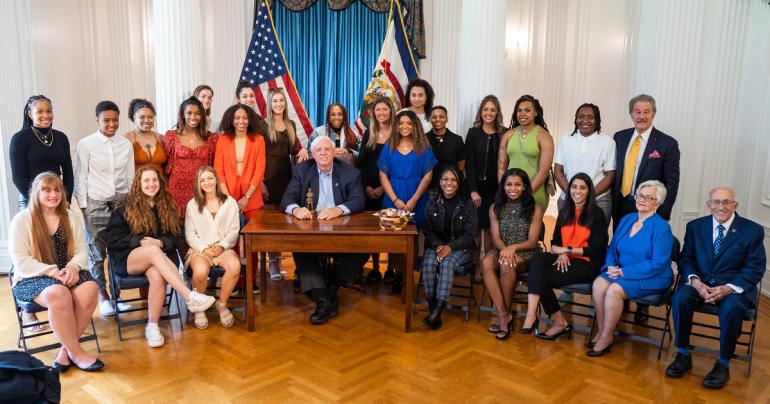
638 263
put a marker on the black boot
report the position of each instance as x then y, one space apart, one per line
325 309
433 321
431 304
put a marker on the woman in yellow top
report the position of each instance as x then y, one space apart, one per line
528 146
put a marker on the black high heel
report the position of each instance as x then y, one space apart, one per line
529 330
504 334
62 368
596 354
566 330
94 367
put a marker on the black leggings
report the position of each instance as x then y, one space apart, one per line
543 277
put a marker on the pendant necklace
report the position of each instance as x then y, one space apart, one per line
45 138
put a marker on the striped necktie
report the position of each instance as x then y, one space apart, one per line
720 238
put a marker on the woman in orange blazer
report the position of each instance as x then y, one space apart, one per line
239 159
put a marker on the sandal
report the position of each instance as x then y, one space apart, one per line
201 321
225 315
31 319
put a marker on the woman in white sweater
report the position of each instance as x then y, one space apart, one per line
50 261
212 226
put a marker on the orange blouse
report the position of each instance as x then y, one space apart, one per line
576 236
141 157
253 169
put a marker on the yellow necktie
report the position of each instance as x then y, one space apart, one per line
629 167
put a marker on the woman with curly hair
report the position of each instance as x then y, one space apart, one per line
419 100
515 223
189 146
142 238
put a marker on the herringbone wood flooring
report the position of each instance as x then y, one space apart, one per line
364 356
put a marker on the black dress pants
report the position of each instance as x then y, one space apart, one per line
346 267
543 277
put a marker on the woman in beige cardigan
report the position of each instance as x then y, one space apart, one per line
50 261
212 226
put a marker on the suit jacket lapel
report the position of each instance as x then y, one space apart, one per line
336 185
651 145
314 185
730 236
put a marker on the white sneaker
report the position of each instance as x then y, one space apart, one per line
106 308
198 302
125 306
154 337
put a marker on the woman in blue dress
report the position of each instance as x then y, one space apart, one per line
638 263
406 167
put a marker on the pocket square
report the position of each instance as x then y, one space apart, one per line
654 155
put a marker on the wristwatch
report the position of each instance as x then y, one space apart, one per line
569 250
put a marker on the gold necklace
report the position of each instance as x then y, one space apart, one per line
45 138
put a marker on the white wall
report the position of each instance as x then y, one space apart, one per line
706 62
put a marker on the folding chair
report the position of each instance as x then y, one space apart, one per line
712 310
119 283
465 271
216 273
36 308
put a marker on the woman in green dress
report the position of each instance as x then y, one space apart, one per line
529 146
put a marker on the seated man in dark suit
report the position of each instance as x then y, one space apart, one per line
336 191
723 260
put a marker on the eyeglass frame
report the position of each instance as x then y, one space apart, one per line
645 198
721 202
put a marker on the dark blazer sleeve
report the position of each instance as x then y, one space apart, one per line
470 162
467 239
753 268
597 241
293 191
117 234
687 264
670 176
354 192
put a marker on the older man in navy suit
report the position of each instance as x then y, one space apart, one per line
643 153
723 260
335 190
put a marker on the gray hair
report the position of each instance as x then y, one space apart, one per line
642 98
319 139
660 189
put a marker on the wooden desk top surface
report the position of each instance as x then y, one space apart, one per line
274 221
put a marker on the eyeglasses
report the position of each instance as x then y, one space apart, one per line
722 202
646 198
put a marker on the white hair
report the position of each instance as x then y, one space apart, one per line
317 140
660 189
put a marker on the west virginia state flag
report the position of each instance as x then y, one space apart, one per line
395 67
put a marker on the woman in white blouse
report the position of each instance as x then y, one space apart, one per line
212 226
50 261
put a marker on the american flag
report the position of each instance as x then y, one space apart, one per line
264 67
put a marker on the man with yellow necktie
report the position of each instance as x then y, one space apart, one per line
643 153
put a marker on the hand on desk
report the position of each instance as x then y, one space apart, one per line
301 213
329 213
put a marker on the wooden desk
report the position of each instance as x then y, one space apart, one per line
271 230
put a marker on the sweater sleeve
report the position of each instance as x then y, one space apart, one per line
80 258
68 177
18 156
190 226
231 226
20 246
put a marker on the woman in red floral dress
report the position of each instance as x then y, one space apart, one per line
189 147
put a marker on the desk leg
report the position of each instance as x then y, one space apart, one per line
409 282
262 277
249 285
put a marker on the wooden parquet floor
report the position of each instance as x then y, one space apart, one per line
364 356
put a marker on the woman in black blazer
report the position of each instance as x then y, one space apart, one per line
578 249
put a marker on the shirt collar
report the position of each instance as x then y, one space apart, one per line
645 134
322 173
104 139
589 137
727 224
